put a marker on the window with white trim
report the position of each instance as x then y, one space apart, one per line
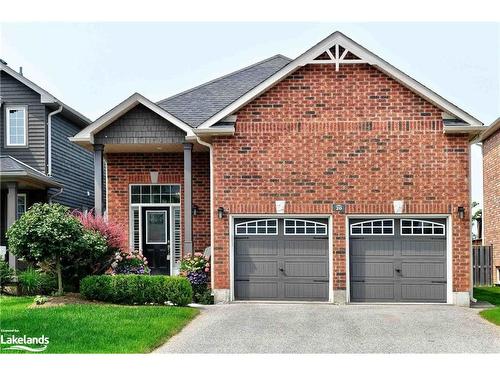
155 194
21 205
257 227
421 228
304 227
379 227
17 127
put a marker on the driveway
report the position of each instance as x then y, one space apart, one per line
325 328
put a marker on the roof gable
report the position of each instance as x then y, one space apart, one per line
338 49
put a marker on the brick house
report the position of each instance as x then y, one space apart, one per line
490 139
330 177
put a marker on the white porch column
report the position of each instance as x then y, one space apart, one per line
188 199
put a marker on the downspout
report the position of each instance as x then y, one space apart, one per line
211 210
49 141
56 194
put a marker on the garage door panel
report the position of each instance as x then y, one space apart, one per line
427 248
423 270
306 291
372 248
362 292
256 290
306 248
256 247
423 292
303 269
372 270
256 268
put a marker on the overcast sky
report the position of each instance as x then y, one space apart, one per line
94 66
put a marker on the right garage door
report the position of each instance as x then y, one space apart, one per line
397 260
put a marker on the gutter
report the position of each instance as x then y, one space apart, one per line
61 189
49 140
212 229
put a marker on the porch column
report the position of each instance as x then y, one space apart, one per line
11 215
98 173
188 200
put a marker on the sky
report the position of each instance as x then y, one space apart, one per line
94 66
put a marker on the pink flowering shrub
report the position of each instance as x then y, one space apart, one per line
128 263
196 268
113 233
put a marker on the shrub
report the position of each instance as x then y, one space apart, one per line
197 270
137 289
128 263
113 233
6 274
33 281
46 232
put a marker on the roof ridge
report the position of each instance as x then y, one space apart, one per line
224 76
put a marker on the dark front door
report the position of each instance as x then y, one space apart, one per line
156 239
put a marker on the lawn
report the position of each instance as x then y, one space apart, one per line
491 295
93 328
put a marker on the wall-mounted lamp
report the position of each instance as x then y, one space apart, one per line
195 210
461 212
220 212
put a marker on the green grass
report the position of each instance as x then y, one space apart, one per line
491 295
94 328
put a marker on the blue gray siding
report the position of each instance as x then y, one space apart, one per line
72 166
14 92
140 125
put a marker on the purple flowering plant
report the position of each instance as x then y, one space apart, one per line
196 268
127 263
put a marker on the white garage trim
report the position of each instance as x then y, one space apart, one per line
449 255
280 216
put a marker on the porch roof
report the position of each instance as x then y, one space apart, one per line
12 169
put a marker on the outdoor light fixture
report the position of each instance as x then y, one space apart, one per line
195 210
461 212
220 212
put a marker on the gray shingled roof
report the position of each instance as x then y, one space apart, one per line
12 168
198 104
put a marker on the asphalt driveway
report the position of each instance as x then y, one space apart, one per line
325 328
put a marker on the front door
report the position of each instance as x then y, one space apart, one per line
156 239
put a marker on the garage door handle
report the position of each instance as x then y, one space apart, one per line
242 280
282 270
320 281
398 270
438 282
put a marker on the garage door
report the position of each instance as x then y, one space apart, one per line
281 259
397 260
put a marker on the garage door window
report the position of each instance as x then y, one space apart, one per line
373 227
258 227
421 228
301 227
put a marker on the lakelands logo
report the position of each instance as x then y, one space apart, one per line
14 341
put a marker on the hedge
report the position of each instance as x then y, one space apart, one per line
137 289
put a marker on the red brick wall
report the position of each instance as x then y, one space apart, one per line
355 137
133 168
491 188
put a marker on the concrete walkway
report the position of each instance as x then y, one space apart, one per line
325 328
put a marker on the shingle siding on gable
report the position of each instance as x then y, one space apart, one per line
14 92
140 125
72 165
355 137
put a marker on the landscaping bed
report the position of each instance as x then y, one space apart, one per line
92 327
491 295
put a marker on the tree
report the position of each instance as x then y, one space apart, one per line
46 232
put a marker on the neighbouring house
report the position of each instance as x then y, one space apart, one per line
38 163
490 139
330 177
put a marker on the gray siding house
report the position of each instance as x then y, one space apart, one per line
38 163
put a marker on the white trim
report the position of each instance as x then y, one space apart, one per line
463 129
87 134
24 109
439 225
244 225
232 217
24 197
449 251
488 131
164 212
337 38
371 227
317 225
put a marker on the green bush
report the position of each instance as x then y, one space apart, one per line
137 289
6 274
33 281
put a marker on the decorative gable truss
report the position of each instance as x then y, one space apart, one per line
337 55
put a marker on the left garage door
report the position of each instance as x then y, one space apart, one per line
281 259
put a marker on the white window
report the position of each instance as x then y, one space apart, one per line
257 227
421 228
379 227
301 227
17 128
21 205
147 194
156 227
